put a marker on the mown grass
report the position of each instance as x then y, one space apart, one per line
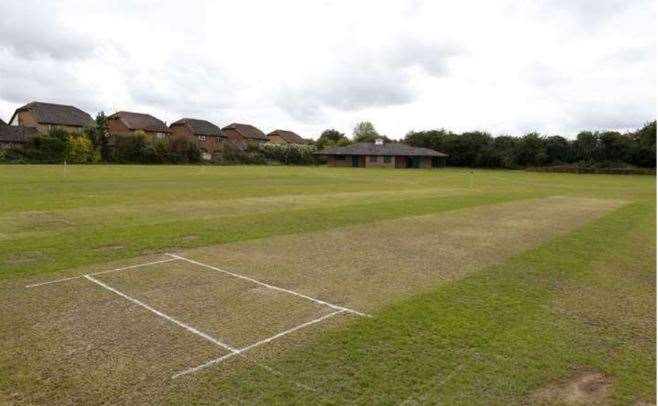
582 301
55 218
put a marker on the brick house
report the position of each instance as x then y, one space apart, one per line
242 135
44 116
15 136
125 122
205 134
382 155
285 137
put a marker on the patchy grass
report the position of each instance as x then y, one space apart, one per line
547 293
496 337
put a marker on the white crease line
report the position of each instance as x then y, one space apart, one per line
164 316
252 346
101 272
267 285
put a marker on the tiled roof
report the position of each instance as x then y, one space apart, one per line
140 121
200 127
289 136
248 131
16 134
58 114
390 148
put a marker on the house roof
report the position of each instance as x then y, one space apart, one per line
390 148
248 131
199 127
58 114
140 121
16 134
289 136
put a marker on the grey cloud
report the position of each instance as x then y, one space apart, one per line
612 115
187 84
364 79
41 34
43 80
352 88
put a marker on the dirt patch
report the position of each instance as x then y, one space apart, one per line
584 388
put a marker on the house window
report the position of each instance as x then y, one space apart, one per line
160 135
387 159
202 138
219 139
340 157
372 158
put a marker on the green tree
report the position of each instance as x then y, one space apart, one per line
102 135
644 146
365 132
530 150
586 146
329 138
559 150
80 150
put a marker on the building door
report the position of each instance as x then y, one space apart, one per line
355 161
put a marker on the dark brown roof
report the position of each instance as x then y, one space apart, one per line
15 134
58 114
247 131
140 121
199 127
390 148
289 136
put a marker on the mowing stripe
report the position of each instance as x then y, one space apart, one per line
164 316
162 261
267 285
252 346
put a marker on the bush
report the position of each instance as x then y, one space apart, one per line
80 150
47 149
130 148
232 154
183 150
289 154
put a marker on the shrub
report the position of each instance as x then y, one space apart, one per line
130 148
80 150
183 150
47 149
289 154
232 154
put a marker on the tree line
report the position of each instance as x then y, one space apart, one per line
603 149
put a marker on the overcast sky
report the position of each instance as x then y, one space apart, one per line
555 66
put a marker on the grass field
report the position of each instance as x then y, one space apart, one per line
318 285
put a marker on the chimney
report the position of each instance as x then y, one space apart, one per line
379 141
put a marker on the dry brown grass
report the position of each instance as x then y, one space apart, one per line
367 266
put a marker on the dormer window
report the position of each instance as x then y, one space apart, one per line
379 141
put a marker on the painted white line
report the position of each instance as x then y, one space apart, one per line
55 281
267 285
252 346
164 316
162 261
281 334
